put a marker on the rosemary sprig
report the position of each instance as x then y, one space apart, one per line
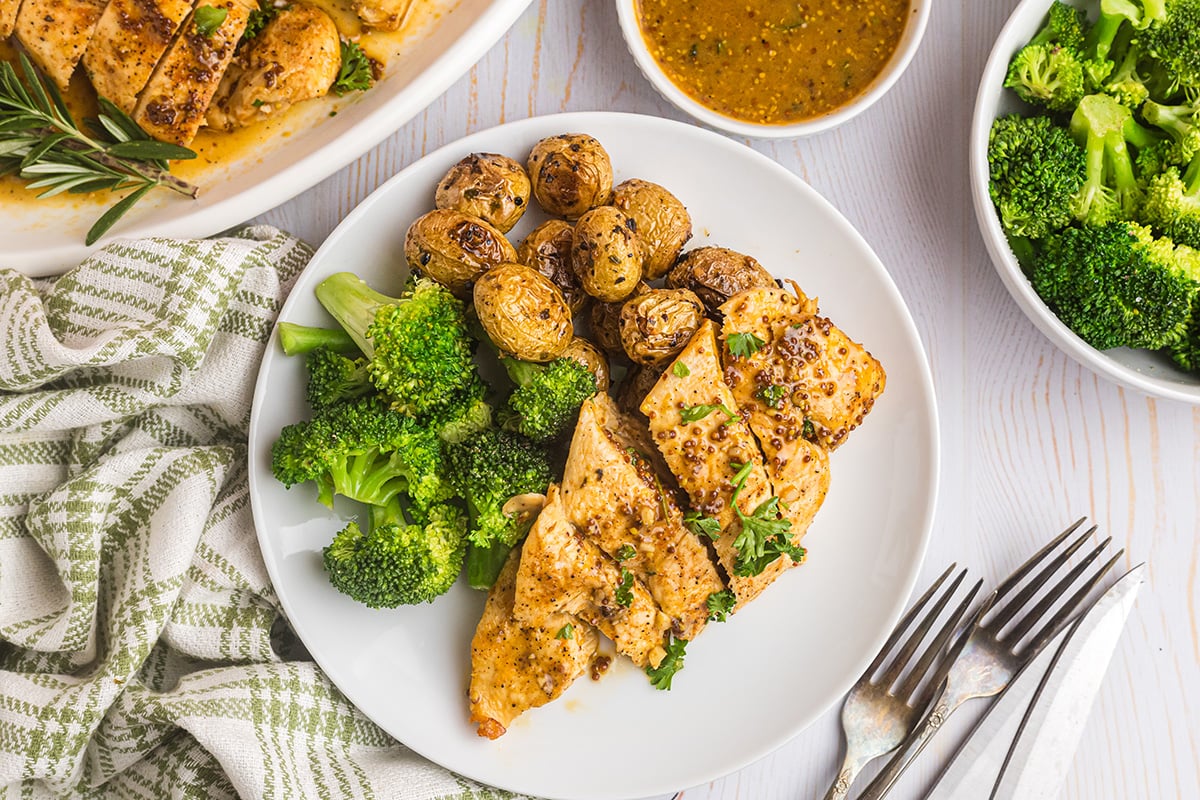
41 142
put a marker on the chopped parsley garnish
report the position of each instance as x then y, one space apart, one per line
742 471
261 16
744 345
207 19
626 552
720 605
773 395
696 413
355 73
701 525
258 102
680 370
568 631
809 431
763 538
624 593
660 676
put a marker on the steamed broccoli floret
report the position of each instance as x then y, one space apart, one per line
1117 285
1173 204
1036 171
1106 129
1114 14
1186 351
298 339
488 470
1174 42
398 561
468 415
333 377
418 347
1126 83
544 406
1181 123
1049 71
365 451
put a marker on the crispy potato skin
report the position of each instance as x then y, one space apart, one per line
571 174
547 249
523 313
490 186
605 323
606 254
454 248
656 325
663 223
716 274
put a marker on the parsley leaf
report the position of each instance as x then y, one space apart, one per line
207 19
720 605
701 525
772 395
355 73
261 16
680 370
624 593
696 413
764 535
626 552
809 431
744 345
568 631
660 676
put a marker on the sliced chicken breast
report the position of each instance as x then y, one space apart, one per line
295 57
706 453
55 34
8 16
516 666
563 572
821 377
131 36
172 105
613 495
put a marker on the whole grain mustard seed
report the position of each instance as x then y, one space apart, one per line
772 61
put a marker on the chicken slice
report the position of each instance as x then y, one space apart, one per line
55 34
131 36
707 453
295 57
612 493
517 666
172 105
8 17
561 571
386 15
826 381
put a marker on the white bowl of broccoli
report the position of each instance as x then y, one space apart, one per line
1089 203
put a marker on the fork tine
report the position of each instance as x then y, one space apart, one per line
892 674
936 648
904 622
1065 614
1031 618
1005 615
1023 570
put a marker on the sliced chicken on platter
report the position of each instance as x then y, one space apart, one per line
516 666
564 572
613 495
131 36
8 16
55 34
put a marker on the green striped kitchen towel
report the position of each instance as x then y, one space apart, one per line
143 653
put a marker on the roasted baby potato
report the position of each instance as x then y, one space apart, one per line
523 313
486 185
656 325
634 387
547 249
716 273
606 254
604 321
454 248
663 224
591 357
571 173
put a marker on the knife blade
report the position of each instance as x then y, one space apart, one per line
1038 760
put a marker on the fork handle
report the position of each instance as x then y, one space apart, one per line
851 766
912 747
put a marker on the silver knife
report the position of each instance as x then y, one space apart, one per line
974 769
1039 759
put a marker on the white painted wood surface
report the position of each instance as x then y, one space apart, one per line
1030 439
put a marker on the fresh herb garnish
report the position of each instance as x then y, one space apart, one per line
808 431
660 676
696 413
624 593
40 141
701 525
568 631
772 395
680 370
207 19
764 534
355 73
261 17
626 552
720 605
744 345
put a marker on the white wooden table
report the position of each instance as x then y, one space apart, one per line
1030 440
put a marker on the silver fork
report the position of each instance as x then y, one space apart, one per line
881 709
993 653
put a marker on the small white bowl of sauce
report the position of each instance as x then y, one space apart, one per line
773 68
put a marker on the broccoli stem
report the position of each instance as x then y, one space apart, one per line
484 563
1100 38
353 304
299 339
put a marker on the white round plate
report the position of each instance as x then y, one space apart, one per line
750 684
46 238
1145 370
